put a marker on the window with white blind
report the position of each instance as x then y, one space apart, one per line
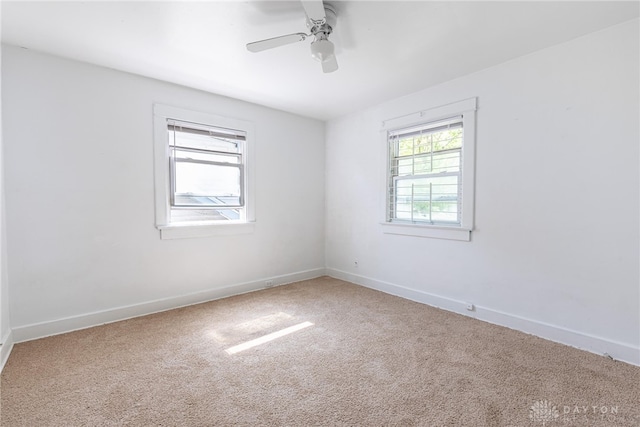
202 174
430 172
206 166
425 184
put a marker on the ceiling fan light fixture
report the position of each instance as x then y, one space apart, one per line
322 50
320 19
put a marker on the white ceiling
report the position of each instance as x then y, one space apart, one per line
385 49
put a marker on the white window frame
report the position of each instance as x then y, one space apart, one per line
466 109
189 229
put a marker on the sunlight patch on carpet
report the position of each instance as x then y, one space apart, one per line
266 338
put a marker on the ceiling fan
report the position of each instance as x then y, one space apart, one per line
321 18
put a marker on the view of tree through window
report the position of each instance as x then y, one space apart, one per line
425 173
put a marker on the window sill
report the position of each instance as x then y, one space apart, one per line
189 230
431 231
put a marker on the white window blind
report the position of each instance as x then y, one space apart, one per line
425 173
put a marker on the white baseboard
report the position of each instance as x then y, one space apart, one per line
598 345
5 349
88 320
618 351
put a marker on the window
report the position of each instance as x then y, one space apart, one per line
202 173
430 171
206 172
425 165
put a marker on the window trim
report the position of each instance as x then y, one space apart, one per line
162 176
467 109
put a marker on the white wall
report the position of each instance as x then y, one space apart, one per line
3 312
5 339
555 251
80 198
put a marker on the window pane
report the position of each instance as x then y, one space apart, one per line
446 140
203 142
421 144
207 185
405 167
209 157
448 161
179 215
432 199
405 146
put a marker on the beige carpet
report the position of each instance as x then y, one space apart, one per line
353 356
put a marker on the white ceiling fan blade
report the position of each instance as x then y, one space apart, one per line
314 9
330 65
275 42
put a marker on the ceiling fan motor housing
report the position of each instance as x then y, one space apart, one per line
328 24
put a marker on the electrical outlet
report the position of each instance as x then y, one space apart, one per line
268 283
470 307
